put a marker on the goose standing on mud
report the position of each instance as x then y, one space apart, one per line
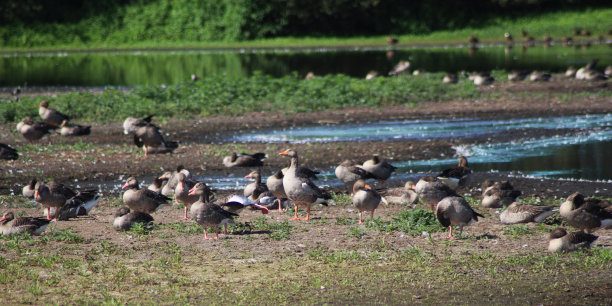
181 192
349 173
300 190
9 225
586 214
150 138
455 210
275 186
366 199
52 194
7 152
33 130
172 177
561 240
523 213
125 219
143 200
131 124
51 116
244 160
79 205
209 214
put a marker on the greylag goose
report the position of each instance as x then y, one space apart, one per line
181 192
275 186
69 129
453 177
499 195
380 169
455 210
150 138
172 178
250 188
517 75
401 195
586 214
10 225
538 76
125 219
244 160
431 190
236 203
79 205
366 199
7 152
570 72
483 79
209 214
349 173
300 190
143 200
561 240
450 78
29 189
158 184
52 194
33 130
51 116
400 68
268 200
584 72
523 213
131 124
304 172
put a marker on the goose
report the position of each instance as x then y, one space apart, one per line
483 79
418 71
608 71
150 138
275 186
431 190
517 75
586 214
371 74
172 178
209 214
10 225
52 194
454 176
472 39
561 240
142 200
79 205
392 40
450 78
401 195
250 188
524 33
570 72
33 130
68 129
538 76
499 195
131 124
158 184
523 213
268 200
51 116
584 72
349 173
400 68
244 160
29 189
300 190
236 203
455 210
181 192
509 38
366 199
125 219
380 169
7 152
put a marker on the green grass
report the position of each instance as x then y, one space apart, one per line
413 222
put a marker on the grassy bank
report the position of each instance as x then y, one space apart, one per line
76 36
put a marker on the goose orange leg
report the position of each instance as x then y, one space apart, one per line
296 209
48 213
360 219
185 217
307 213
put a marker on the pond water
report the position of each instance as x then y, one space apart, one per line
133 68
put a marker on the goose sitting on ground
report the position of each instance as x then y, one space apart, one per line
125 219
33 130
453 177
538 76
523 213
371 74
517 75
131 124
79 205
181 192
142 200
29 189
7 152
209 214
349 173
69 129
172 178
499 195
244 160
455 210
380 169
250 188
483 79
158 184
431 190
150 138
570 72
400 68
450 78
51 116
275 186
401 195
300 190
10 225
561 240
366 199
586 214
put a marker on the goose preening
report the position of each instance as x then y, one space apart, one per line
244 160
380 169
400 195
29 189
7 152
431 190
125 219
33 130
456 175
524 213
69 129
586 214
9 225
143 200
150 138
54 194
131 124
275 186
158 184
181 192
499 195
300 190
236 203
349 173
208 214
366 199
455 210
51 116
79 205
561 240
